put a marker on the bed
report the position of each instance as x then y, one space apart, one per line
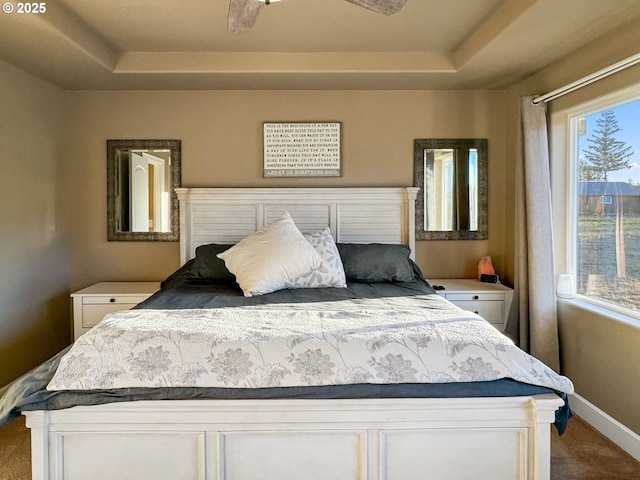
332 423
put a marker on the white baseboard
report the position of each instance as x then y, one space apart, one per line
615 431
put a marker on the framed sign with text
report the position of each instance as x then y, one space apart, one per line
302 149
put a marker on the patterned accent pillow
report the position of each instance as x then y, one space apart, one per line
269 259
331 274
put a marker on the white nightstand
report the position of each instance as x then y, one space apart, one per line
91 304
491 301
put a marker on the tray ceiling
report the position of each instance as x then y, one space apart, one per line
302 44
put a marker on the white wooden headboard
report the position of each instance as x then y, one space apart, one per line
354 214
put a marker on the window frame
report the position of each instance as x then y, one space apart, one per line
573 115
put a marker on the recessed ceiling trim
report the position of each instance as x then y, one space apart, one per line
75 31
272 62
491 29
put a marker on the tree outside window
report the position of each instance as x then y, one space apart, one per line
604 153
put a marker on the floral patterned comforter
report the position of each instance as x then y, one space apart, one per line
378 341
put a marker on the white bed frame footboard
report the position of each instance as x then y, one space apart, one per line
366 439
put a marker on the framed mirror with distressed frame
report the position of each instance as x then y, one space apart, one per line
141 179
452 177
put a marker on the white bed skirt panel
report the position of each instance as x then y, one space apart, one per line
365 439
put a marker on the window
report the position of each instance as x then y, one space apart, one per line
606 186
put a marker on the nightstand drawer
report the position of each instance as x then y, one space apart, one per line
92 314
491 311
93 303
114 299
489 300
474 296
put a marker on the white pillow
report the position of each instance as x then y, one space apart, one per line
331 274
271 258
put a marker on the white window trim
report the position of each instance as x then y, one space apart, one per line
602 103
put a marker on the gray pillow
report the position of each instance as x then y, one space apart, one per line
376 262
208 268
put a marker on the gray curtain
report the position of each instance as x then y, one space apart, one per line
536 326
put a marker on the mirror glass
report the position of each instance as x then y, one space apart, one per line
452 200
141 200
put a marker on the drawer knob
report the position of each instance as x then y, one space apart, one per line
112 300
476 297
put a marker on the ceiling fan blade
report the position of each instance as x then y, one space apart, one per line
242 15
385 7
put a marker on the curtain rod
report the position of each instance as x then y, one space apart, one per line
600 74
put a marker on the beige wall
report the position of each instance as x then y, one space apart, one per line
34 249
221 133
601 356
599 353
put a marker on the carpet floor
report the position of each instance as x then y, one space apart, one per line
580 454
15 450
